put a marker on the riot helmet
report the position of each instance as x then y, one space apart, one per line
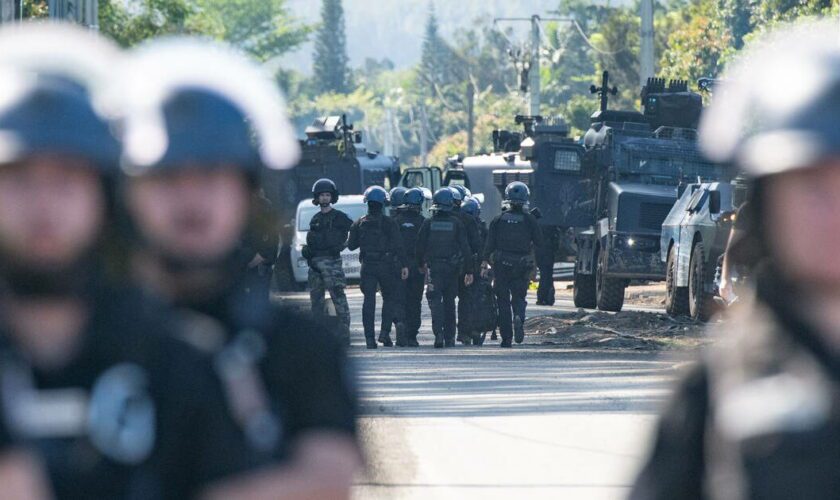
457 197
324 186
463 191
444 199
376 194
776 108
471 207
414 197
397 196
517 193
181 108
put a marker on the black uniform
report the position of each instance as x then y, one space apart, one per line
136 414
474 239
410 221
442 245
292 372
759 417
544 255
510 241
325 240
262 240
382 256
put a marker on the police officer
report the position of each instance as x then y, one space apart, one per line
759 416
471 226
97 398
510 242
284 376
473 207
395 201
383 265
325 240
410 219
443 250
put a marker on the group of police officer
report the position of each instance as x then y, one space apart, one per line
136 359
403 253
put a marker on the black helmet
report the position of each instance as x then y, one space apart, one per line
776 109
517 192
324 186
183 107
376 194
444 199
397 196
53 114
414 197
472 207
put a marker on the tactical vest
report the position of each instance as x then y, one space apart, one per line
410 224
513 233
374 242
326 234
443 239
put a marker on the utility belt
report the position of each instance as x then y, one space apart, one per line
513 261
378 257
327 252
450 260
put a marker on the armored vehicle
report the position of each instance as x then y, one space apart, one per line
694 237
633 164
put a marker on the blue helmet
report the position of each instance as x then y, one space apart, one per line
54 114
376 194
444 199
472 207
398 196
465 193
517 192
457 197
414 197
324 186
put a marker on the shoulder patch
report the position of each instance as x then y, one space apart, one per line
442 226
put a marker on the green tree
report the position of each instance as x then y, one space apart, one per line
331 72
147 19
263 28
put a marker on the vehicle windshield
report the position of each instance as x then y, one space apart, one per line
305 214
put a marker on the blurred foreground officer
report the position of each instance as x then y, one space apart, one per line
462 194
759 417
188 196
326 238
443 250
510 242
410 219
383 266
97 398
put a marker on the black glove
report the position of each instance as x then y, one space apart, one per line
306 252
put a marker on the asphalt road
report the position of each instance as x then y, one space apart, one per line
483 422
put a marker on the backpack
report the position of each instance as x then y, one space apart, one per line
484 311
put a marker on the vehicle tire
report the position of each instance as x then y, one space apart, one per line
676 297
701 304
609 292
584 290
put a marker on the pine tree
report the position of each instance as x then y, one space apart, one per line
433 60
331 70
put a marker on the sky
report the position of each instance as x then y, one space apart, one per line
394 29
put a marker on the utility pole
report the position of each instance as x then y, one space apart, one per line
470 118
533 66
424 142
8 11
84 12
646 67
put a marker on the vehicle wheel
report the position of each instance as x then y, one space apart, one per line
701 304
609 292
676 297
584 290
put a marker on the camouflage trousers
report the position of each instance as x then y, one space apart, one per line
327 275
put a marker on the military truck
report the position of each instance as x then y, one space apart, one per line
633 164
331 149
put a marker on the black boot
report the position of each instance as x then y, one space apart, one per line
411 339
518 329
385 339
505 343
401 338
370 342
449 343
